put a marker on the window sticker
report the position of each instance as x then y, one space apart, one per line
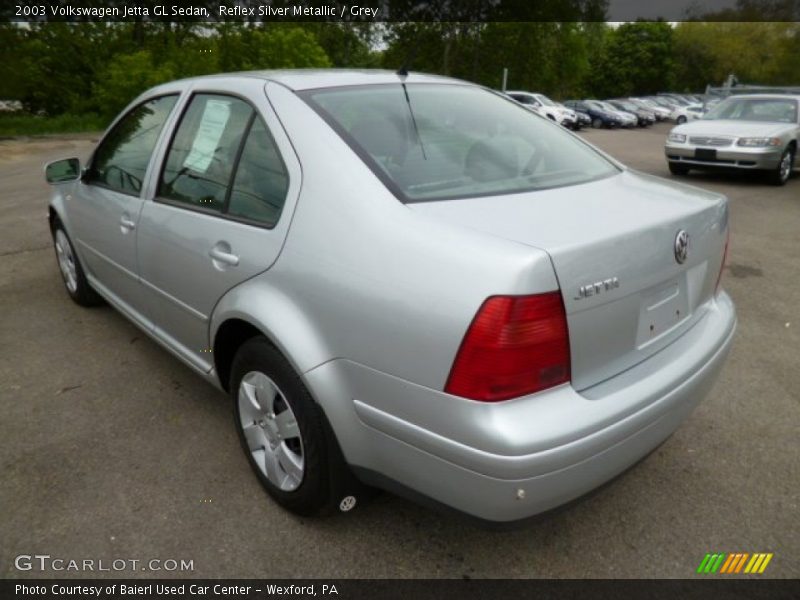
206 141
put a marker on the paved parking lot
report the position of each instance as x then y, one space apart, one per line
112 449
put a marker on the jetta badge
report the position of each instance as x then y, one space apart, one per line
681 246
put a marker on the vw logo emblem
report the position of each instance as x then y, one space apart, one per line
681 246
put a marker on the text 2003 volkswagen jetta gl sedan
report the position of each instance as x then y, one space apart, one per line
406 281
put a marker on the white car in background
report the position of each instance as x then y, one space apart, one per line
682 114
546 107
695 111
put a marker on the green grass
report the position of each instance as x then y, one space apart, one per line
16 124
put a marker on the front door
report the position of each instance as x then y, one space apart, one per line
106 204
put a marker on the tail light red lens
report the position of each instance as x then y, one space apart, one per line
516 345
724 261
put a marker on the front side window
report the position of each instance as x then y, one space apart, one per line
120 161
523 99
442 141
204 150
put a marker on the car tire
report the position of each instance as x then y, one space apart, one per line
678 169
781 174
72 273
285 435
680 120
597 123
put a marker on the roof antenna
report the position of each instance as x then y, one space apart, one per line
413 119
409 60
402 73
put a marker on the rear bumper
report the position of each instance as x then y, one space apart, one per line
511 460
729 157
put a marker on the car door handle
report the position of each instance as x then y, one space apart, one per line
224 257
127 223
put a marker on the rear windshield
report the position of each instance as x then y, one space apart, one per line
444 141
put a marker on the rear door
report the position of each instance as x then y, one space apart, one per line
222 202
105 207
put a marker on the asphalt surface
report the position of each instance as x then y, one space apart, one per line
112 449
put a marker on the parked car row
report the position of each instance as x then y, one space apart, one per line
615 112
642 111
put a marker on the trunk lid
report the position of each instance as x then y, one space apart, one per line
612 245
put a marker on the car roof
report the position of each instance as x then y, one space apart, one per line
306 79
765 96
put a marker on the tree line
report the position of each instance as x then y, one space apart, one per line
58 68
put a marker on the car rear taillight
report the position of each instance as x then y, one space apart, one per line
724 261
516 345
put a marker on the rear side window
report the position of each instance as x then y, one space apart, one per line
120 161
259 188
204 151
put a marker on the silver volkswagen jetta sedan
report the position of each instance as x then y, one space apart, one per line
404 281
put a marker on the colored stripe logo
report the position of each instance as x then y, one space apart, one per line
734 563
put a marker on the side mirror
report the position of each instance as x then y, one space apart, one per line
61 171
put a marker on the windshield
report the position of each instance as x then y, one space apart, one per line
679 101
454 141
545 100
777 110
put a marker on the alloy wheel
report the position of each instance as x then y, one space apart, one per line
66 261
270 428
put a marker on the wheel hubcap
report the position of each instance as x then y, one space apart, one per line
66 261
270 428
786 166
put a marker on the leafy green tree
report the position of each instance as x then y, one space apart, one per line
347 44
283 46
125 77
11 39
635 58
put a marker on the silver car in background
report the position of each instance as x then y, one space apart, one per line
747 132
402 281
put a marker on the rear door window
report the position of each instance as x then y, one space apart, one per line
224 160
204 151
